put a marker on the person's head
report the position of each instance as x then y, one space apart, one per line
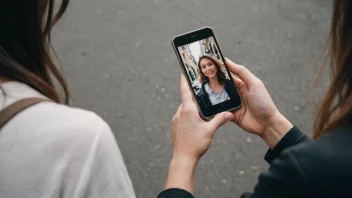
25 27
209 67
336 108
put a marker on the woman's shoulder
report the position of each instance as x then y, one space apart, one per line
326 156
330 145
48 115
66 116
201 89
203 84
49 120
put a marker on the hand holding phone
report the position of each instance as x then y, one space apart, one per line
192 137
258 114
207 74
188 127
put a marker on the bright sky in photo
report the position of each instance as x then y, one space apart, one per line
195 48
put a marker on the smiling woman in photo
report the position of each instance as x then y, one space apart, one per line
215 87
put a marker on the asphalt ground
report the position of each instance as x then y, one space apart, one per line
119 63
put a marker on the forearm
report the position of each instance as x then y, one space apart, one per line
181 173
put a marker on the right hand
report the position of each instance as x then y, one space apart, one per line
258 114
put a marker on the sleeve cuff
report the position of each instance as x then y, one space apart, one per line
246 195
292 137
175 193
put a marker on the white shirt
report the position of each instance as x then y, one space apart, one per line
214 97
52 150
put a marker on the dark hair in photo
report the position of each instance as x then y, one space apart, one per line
220 74
25 49
336 108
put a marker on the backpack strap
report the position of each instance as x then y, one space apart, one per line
12 110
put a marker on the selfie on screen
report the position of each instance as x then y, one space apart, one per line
205 67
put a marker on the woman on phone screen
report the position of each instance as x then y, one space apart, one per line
215 87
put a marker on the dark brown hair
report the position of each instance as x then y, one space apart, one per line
220 74
336 108
25 55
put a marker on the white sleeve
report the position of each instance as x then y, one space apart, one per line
104 173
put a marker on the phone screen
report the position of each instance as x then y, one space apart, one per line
208 75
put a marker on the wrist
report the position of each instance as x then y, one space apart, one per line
184 160
185 164
181 173
276 130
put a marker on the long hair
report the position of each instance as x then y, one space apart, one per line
336 108
25 50
219 73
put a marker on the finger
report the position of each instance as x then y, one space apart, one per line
178 112
186 94
240 85
219 120
238 115
179 108
238 82
242 72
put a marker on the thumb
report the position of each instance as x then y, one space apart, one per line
219 120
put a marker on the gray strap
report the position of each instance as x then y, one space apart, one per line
11 111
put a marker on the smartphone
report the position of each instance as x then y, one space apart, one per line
208 76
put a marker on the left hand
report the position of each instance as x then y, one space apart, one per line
192 136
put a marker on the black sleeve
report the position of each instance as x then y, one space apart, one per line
285 177
175 193
292 138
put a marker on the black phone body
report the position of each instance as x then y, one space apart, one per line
204 65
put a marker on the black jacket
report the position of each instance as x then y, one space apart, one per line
203 96
302 168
